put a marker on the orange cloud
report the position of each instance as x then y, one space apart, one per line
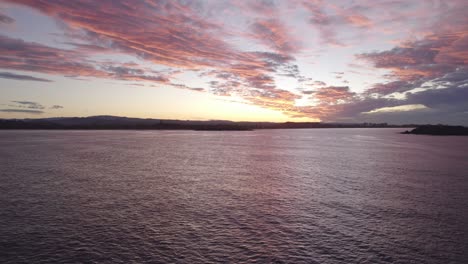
333 94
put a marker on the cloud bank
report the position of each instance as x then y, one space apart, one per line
244 49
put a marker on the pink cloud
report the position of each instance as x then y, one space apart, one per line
274 34
359 20
17 54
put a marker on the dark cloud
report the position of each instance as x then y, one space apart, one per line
135 84
56 107
431 71
183 86
6 19
24 111
28 104
28 107
425 116
417 54
317 83
123 71
274 58
89 48
444 106
420 61
447 105
454 99
20 77
391 87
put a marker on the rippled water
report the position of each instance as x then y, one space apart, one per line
293 196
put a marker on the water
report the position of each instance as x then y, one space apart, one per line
292 196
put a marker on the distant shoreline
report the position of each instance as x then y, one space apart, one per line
125 123
185 129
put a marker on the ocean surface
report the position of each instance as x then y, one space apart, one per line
265 196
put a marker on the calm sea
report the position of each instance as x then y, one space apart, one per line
266 196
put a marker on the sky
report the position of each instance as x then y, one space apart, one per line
394 61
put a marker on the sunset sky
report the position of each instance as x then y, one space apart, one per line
395 61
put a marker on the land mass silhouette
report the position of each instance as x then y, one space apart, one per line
116 122
439 130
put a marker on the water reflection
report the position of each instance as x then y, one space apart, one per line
324 196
